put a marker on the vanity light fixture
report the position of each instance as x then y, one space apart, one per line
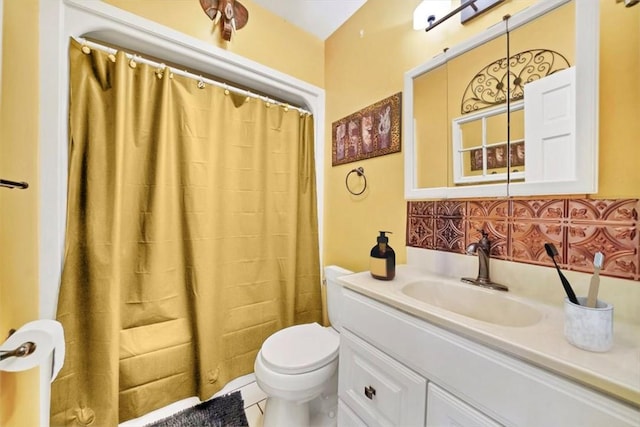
425 13
425 17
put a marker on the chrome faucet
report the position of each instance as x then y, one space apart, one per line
483 249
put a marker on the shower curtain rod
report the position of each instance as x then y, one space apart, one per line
137 58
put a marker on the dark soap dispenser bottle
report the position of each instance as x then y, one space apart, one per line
383 259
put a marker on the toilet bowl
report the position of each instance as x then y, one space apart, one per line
297 367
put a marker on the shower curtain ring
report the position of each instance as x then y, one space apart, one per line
160 71
201 83
360 172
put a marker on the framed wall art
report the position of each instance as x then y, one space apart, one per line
371 132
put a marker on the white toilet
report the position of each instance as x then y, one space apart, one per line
297 367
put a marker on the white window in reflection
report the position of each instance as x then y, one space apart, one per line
482 150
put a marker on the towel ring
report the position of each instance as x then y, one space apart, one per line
360 172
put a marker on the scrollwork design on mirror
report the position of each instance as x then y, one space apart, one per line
489 87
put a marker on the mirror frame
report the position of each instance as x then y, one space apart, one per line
587 39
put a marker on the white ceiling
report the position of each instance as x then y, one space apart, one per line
318 17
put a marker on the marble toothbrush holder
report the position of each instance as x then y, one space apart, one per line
589 328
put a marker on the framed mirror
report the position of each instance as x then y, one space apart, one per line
467 125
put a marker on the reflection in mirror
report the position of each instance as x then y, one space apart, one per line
475 87
482 150
431 135
438 97
545 47
484 153
516 144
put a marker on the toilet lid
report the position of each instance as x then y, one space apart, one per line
300 348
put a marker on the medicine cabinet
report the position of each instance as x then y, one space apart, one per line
510 112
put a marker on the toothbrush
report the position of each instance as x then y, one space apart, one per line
598 260
553 252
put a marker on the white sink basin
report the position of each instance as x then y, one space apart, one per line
481 304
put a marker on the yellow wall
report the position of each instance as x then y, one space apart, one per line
432 131
366 60
619 101
266 38
19 208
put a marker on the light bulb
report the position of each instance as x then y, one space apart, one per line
429 8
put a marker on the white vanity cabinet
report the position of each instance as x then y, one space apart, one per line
397 369
382 391
446 410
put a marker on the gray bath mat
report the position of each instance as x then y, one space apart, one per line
223 411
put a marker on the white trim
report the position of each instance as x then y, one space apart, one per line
587 109
459 176
62 19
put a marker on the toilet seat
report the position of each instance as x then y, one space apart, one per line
299 349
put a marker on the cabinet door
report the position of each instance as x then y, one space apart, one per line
380 390
557 160
550 144
348 418
445 410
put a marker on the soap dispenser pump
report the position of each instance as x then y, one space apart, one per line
383 259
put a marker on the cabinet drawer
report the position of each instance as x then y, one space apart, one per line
446 410
381 391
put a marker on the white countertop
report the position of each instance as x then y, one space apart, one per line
616 372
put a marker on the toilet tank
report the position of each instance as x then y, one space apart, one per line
334 294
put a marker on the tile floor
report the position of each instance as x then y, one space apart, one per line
254 403
254 398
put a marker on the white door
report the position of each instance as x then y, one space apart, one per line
550 128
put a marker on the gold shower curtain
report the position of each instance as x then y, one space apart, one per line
191 237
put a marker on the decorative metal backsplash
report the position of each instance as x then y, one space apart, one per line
518 230
488 87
